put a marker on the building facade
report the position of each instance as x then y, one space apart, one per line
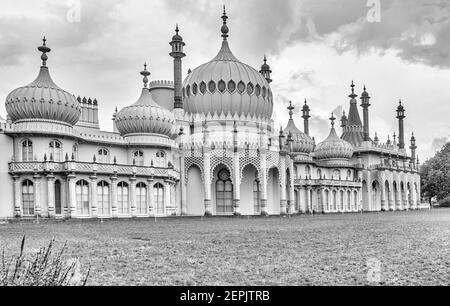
203 146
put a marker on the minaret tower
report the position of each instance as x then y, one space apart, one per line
177 54
413 148
365 103
265 71
401 130
306 116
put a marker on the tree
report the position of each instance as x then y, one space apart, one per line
435 175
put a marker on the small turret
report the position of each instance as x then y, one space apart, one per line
265 71
306 116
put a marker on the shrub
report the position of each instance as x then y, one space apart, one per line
444 203
41 269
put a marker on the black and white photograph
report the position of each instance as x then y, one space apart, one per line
224 148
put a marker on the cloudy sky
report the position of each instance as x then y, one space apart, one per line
399 49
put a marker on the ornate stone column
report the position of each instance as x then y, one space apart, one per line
51 195
183 186
114 208
133 196
291 187
207 182
37 195
283 201
151 209
17 196
166 197
236 184
263 179
72 196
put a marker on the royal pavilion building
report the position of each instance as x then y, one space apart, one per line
203 146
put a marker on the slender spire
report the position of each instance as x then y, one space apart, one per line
225 30
332 119
145 74
291 110
44 49
353 95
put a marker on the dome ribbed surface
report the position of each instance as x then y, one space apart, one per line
334 148
302 143
43 99
246 91
145 117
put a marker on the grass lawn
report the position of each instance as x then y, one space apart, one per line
413 248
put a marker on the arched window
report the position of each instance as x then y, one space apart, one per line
158 193
188 91
103 199
308 172
141 198
250 88
27 198
257 196
327 200
264 92
349 201
203 87
82 196
122 198
212 87
55 150
75 151
161 159
342 200
222 86
194 89
58 202
224 192
231 86
336 175
258 90
241 87
27 150
356 202
139 158
349 175
103 156
334 200
319 174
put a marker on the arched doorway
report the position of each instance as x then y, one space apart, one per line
388 195
250 191
273 192
195 192
376 195
224 193
365 196
396 199
58 203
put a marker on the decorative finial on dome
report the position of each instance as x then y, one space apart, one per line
225 28
291 110
44 49
176 29
353 95
145 74
332 119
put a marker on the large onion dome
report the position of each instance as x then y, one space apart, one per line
145 116
333 147
226 85
43 99
301 142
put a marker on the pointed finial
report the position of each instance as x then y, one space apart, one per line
145 74
177 29
44 49
353 95
291 110
332 119
224 29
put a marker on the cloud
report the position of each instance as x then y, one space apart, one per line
438 143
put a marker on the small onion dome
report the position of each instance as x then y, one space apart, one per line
177 37
145 116
301 143
43 99
333 147
365 94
